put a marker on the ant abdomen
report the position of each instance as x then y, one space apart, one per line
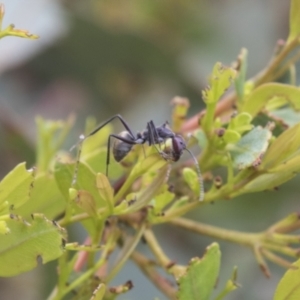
120 148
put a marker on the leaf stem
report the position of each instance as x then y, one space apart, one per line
131 245
147 267
238 237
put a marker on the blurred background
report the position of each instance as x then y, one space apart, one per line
132 57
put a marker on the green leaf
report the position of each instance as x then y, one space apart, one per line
45 197
286 115
290 166
289 285
150 164
96 160
264 182
105 189
27 244
147 194
258 99
230 286
231 136
51 135
162 200
219 81
241 122
201 276
294 20
191 178
16 186
86 202
250 147
86 180
283 148
275 103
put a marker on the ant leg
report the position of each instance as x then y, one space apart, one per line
152 141
124 123
83 138
155 135
99 127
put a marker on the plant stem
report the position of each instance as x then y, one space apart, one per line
132 243
238 237
146 265
267 75
156 249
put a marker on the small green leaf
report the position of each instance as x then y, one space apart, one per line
230 286
121 208
290 166
289 285
147 194
201 276
231 136
51 135
105 189
283 148
250 147
86 180
162 200
220 80
16 186
276 102
258 99
241 122
27 244
191 178
264 182
86 202
294 20
241 77
151 163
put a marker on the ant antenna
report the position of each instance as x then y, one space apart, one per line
200 178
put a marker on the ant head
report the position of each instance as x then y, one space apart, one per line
178 144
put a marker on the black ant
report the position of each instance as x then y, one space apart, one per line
153 135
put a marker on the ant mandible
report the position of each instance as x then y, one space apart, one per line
154 135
